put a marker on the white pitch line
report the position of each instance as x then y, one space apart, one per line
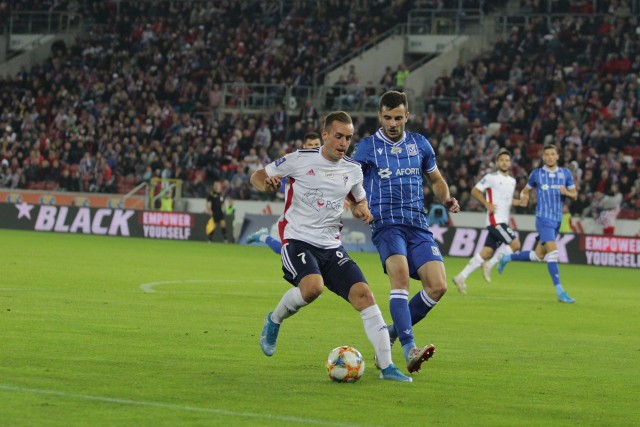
213 411
148 287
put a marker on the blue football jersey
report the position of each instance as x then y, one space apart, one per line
547 184
393 177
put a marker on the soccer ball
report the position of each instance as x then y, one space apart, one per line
345 364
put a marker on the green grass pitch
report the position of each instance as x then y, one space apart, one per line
100 331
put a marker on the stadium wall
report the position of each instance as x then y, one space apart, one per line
462 219
613 251
106 221
459 241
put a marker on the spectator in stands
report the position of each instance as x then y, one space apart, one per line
609 206
401 77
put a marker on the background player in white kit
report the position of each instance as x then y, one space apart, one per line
313 257
495 192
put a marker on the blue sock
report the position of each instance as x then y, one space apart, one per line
406 349
554 272
399 308
519 256
419 306
274 244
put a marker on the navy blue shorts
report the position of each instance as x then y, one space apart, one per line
416 244
500 233
338 271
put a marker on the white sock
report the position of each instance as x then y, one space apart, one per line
504 249
289 305
378 334
263 237
475 262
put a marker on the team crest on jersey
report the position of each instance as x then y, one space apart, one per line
280 161
412 149
396 149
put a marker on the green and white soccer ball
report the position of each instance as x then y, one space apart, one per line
345 364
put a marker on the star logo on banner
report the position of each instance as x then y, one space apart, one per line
24 210
438 232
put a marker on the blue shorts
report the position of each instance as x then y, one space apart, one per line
499 233
416 244
547 229
339 272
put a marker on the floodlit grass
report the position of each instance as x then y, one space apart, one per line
84 343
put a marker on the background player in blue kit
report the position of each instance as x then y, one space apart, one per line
552 184
394 163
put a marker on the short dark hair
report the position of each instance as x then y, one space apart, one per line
336 116
393 99
311 135
550 147
502 152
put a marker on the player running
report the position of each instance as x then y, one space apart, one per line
552 185
495 192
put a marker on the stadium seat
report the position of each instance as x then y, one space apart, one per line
533 151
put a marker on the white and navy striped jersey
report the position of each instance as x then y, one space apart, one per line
498 189
393 177
315 196
547 183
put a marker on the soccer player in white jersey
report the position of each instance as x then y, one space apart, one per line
394 162
313 257
495 192
552 185
311 140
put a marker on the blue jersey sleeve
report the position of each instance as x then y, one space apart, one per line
360 154
569 179
429 159
533 183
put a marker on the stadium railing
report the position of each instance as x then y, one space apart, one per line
260 98
42 22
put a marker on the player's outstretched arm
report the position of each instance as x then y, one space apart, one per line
573 193
441 190
263 182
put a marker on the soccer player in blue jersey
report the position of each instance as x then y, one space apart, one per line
552 185
394 162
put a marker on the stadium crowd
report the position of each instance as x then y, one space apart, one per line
138 97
